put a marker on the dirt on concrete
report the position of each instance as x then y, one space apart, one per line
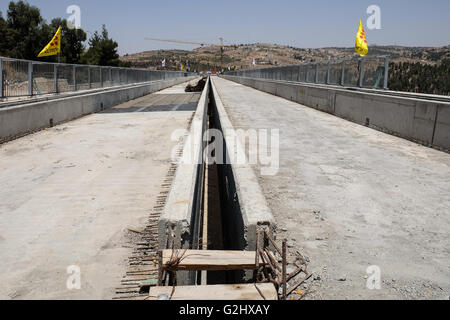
198 87
79 194
348 198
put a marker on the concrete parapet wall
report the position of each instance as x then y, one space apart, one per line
246 206
442 132
420 120
17 120
177 220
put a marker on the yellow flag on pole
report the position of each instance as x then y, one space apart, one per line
361 41
53 47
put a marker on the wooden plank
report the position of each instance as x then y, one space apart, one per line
212 260
218 292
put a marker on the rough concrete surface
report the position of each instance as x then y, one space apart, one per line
74 195
348 197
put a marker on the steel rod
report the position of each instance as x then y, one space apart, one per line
361 73
55 78
386 73
2 93
267 234
284 269
30 78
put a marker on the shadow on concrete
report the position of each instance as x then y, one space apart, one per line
158 108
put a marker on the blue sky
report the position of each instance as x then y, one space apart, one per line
305 24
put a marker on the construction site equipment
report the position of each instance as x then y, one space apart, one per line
271 272
198 87
182 42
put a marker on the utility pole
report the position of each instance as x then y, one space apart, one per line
222 49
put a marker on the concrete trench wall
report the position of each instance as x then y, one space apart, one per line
18 120
178 219
420 120
244 207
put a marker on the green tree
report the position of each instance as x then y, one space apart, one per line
3 32
71 41
420 78
102 50
25 35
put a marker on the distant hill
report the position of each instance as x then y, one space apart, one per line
266 55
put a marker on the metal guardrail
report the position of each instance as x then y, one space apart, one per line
367 72
20 78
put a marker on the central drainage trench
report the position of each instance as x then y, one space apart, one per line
219 224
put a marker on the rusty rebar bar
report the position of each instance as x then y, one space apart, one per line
284 253
266 232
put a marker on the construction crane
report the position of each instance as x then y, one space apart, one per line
202 44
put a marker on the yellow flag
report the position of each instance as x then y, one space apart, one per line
182 67
53 47
361 41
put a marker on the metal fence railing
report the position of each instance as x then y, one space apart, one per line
28 78
367 72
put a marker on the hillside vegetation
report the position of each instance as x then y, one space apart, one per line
413 69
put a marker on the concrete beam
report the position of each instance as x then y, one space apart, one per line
18 120
247 205
176 220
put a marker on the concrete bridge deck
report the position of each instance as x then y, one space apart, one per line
69 195
350 197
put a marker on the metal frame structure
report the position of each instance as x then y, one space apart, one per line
312 70
23 73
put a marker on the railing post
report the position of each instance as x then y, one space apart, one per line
30 78
386 73
55 78
2 94
110 77
89 78
74 78
101 77
328 72
307 73
343 73
316 79
361 72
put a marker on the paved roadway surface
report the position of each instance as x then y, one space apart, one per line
349 197
69 196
